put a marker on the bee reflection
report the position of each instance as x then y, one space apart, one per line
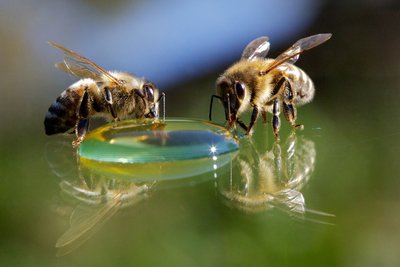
261 180
99 199
89 200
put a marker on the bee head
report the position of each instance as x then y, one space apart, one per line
231 93
149 95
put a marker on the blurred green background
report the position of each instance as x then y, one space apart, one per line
353 125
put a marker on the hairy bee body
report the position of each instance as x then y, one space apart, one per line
63 114
301 83
266 85
108 94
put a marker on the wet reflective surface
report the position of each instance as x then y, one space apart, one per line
253 180
296 200
260 180
328 196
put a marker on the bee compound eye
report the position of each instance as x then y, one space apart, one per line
239 90
149 92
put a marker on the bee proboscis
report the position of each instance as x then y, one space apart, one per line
266 85
111 94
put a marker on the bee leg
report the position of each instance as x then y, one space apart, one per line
82 125
162 96
241 124
254 116
276 124
109 101
288 109
290 114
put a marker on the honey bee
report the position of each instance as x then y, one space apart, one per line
266 85
113 95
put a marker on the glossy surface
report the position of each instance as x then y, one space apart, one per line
272 209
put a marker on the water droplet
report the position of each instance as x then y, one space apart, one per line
170 149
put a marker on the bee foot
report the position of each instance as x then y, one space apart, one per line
115 122
77 142
249 132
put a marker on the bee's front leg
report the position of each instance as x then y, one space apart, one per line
254 116
109 100
241 124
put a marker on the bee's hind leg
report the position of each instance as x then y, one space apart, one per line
288 109
82 125
290 114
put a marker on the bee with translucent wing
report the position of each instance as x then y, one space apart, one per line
113 95
266 85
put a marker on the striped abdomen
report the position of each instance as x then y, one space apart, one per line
301 83
62 114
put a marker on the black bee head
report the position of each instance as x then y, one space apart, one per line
150 94
231 92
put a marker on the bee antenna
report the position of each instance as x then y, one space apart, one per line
163 104
229 107
162 96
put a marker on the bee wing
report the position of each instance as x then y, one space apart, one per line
77 71
80 66
258 48
291 55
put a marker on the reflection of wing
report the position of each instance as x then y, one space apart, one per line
258 48
290 200
85 223
80 66
291 55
